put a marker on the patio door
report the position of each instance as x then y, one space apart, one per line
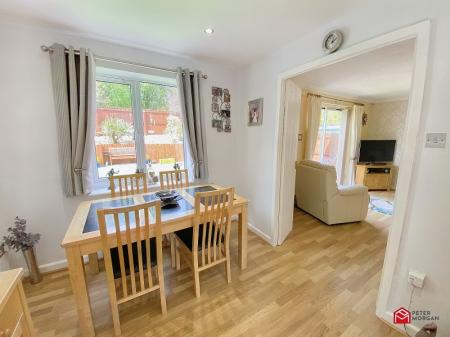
330 141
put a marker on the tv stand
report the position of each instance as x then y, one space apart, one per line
375 176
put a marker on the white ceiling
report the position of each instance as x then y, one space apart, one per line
244 29
382 75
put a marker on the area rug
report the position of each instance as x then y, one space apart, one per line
381 205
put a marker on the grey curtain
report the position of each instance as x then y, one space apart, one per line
73 78
193 119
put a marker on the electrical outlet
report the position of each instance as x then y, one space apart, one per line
416 279
436 140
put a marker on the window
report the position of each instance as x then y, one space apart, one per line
331 136
138 124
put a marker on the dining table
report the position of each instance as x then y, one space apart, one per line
83 237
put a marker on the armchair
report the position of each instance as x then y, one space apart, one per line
317 193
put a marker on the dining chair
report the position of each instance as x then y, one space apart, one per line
133 260
207 243
173 179
128 184
170 180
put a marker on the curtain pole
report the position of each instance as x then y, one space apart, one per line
335 99
45 48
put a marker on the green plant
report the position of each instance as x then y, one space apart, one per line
116 129
155 97
174 128
117 95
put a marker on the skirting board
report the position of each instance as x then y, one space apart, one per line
52 266
257 231
388 318
62 264
261 234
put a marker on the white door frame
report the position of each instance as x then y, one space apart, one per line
421 33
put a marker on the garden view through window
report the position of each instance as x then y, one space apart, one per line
329 137
138 127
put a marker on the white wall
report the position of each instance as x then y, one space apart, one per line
425 241
386 120
30 184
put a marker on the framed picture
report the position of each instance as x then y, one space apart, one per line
255 112
219 125
215 107
216 91
225 113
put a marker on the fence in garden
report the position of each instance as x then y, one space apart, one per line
155 121
157 153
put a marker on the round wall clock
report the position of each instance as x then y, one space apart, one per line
332 41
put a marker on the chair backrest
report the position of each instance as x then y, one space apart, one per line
315 183
128 184
213 217
129 228
173 179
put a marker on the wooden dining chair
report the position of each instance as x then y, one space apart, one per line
170 180
128 184
133 260
207 243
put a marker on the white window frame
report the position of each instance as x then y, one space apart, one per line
138 121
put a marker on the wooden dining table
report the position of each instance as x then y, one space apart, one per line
83 238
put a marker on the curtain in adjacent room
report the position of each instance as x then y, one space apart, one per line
351 152
73 78
193 119
314 104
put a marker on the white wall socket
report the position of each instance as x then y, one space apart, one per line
436 140
416 279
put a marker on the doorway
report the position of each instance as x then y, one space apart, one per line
419 33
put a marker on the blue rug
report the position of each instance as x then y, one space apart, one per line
381 206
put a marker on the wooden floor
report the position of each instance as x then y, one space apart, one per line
322 282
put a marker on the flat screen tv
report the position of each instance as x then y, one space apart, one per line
376 151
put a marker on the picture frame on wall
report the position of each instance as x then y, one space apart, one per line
255 112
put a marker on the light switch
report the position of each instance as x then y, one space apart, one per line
436 140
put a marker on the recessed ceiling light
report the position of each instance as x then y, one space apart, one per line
209 31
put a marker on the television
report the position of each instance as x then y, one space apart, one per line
376 151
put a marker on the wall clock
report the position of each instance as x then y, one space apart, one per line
332 41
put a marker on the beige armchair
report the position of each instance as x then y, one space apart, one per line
317 193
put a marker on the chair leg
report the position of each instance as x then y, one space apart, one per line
227 264
228 270
173 249
162 290
178 259
196 274
197 283
115 317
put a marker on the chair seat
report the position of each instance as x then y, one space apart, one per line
116 261
186 235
